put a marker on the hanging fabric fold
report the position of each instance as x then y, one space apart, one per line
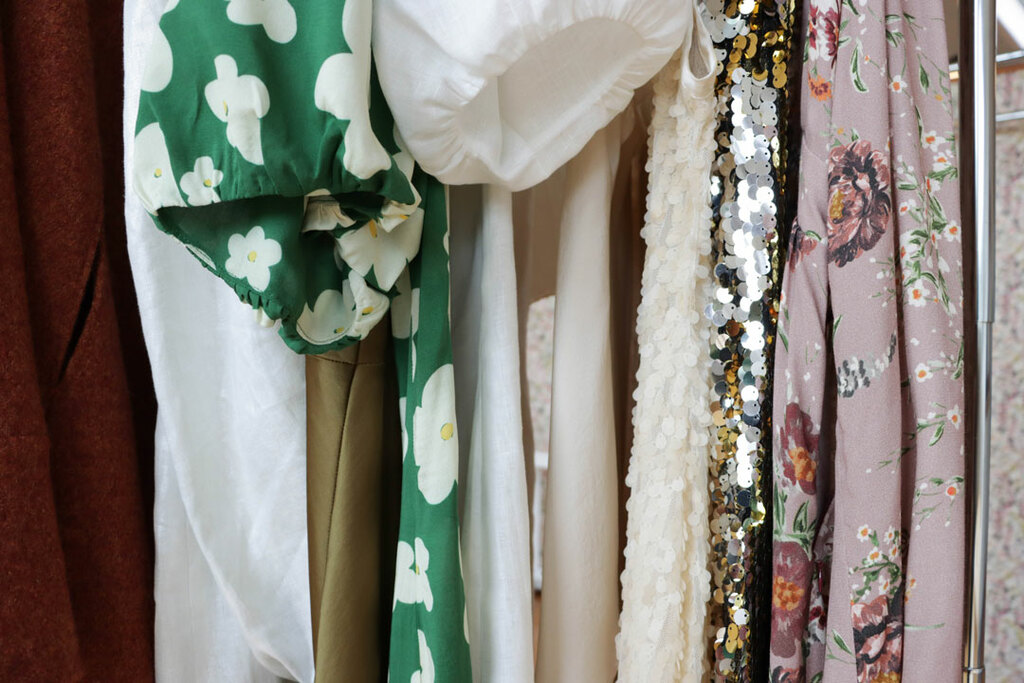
484 106
289 183
666 584
751 208
869 466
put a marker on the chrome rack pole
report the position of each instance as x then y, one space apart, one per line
977 117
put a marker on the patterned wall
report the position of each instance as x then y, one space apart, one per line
1004 647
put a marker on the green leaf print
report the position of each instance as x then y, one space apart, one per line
855 70
778 514
959 363
838 639
925 81
944 174
800 522
937 435
938 213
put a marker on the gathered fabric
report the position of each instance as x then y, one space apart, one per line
494 111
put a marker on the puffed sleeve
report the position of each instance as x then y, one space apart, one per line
507 91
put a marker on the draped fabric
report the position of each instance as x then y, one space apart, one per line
230 505
869 468
495 522
580 600
264 145
484 106
76 555
752 204
665 584
353 486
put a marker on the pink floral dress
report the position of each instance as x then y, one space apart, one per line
868 518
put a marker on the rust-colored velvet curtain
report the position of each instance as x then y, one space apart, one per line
76 404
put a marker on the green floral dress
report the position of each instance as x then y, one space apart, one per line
265 146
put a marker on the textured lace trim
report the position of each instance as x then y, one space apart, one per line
666 583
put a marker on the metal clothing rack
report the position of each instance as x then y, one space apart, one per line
977 69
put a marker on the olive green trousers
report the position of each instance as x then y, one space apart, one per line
353 487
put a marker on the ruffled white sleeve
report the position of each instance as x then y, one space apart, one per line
506 91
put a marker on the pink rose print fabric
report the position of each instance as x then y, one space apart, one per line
868 509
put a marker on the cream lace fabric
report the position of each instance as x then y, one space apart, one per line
666 584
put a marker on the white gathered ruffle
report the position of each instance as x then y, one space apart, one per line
507 91
666 583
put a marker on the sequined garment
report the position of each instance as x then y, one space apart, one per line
753 42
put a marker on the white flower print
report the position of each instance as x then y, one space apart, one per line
931 140
864 533
411 583
323 212
952 232
922 372
898 84
343 89
152 175
250 257
435 439
412 357
918 295
942 162
370 307
159 65
387 253
239 101
405 315
275 16
425 674
954 416
199 183
405 432
352 312
393 213
156 74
